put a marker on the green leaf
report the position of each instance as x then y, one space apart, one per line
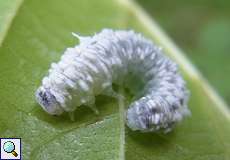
38 35
8 9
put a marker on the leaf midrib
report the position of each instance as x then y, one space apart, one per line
121 104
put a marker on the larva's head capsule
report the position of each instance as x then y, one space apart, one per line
48 101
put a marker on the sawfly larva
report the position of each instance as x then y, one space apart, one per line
107 58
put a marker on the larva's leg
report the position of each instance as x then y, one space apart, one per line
167 130
111 93
71 116
92 105
94 108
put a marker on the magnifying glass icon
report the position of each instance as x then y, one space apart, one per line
9 147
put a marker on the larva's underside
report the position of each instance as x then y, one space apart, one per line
90 68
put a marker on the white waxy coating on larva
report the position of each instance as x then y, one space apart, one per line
90 68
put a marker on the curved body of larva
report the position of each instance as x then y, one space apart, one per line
108 57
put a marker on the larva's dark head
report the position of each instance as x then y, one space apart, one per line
48 101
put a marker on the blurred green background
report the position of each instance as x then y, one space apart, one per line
202 29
